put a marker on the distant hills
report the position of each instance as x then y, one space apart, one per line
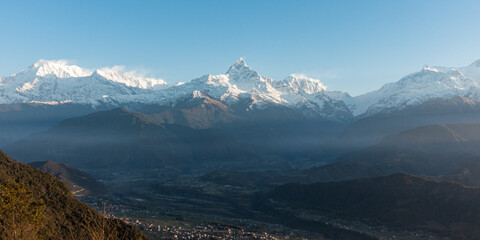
447 152
429 150
369 130
399 200
79 182
121 139
199 112
469 175
36 205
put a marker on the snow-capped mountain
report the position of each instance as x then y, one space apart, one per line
130 79
56 82
427 84
241 83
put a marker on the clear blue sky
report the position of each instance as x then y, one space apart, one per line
355 46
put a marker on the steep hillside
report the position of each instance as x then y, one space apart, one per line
199 112
36 205
79 182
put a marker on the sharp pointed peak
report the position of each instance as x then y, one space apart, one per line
241 62
238 66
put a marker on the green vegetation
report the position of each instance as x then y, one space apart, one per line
20 213
36 205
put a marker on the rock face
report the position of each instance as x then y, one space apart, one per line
36 205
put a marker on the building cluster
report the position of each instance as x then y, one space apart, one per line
205 231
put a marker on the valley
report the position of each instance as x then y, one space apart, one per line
241 156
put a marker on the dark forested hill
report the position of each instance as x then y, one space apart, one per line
398 200
36 205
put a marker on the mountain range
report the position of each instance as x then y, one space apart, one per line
296 121
57 82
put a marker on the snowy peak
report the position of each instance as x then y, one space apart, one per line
240 65
302 83
57 81
240 71
240 62
472 70
475 64
130 79
58 68
242 84
429 69
416 88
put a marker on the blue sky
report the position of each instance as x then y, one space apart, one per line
355 46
